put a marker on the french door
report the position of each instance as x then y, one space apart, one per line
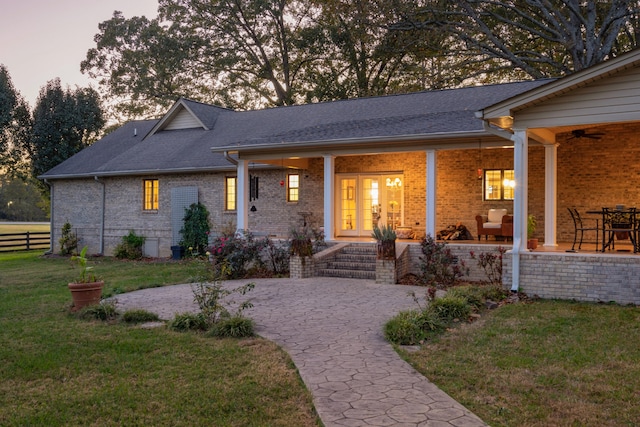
364 201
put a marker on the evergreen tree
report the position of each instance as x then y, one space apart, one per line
64 122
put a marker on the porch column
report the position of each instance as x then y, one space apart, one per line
242 200
550 194
430 224
520 201
329 210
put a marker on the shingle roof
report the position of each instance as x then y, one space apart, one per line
433 112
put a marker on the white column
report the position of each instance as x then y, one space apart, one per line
520 201
550 194
329 199
431 177
242 201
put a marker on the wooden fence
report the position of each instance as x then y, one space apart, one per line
25 241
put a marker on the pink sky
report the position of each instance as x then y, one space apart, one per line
44 39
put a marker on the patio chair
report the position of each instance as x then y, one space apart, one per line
496 223
621 225
580 226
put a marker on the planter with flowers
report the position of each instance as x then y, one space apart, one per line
87 288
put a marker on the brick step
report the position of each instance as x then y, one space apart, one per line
356 258
350 265
369 248
348 274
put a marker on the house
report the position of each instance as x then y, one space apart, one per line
421 160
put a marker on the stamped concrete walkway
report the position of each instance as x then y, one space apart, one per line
332 329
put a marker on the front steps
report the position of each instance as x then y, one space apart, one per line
355 261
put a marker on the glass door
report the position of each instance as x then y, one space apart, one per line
365 201
347 210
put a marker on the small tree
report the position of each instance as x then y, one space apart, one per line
196 228
68 241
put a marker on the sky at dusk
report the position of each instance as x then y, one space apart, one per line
44 39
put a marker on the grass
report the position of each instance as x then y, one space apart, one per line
541 364
9 228
58 370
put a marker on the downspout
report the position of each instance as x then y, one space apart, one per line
517 237
50 251
230 159
102 208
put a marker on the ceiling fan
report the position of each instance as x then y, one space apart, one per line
582 133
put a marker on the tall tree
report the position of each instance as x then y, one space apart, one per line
15 126
64 122
541 38
142 66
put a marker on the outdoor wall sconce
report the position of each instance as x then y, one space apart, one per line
282 183
479 173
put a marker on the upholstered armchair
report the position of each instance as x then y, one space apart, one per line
496 223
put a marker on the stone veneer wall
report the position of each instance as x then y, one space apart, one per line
581 277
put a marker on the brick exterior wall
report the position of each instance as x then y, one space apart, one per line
582 277
591 174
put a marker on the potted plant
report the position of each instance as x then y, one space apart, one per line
531 229
87 288
386 237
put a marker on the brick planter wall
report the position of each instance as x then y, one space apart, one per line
301 268
386 272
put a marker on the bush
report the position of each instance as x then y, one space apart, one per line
104 311
130 247
405 328
413 326
139 316
188 322
438 265
68 240
451 307
232 327
235 254
196 228
491 263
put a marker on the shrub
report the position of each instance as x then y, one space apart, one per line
68 240
491 263
139 316
235 254
214 303
232 327
188 322
451 307
405 328
438 265
277 257
130 247
104 311
196 228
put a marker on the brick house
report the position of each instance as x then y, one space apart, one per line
421 161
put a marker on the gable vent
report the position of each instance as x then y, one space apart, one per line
183 120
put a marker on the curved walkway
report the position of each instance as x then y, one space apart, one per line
332 329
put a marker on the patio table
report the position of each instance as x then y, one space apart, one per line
630 231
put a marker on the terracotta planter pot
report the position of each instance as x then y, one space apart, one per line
532 244
84 294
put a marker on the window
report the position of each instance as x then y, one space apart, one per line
150 194
230 193
293 187
498 184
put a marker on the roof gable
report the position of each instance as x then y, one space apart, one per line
187 114
620 68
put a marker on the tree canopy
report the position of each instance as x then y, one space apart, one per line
254 53
64 122
15 127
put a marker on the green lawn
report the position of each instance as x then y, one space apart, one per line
547 363
57 370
